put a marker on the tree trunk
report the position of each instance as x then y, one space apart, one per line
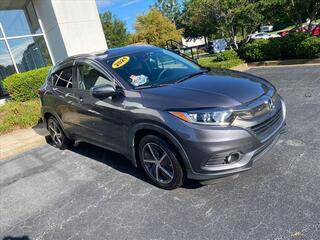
234 37
235 43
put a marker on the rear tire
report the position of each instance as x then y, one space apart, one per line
57 135
160 162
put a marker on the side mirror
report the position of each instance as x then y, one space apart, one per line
103 91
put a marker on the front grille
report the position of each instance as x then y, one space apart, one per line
265 128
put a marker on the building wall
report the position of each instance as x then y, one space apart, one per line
71 27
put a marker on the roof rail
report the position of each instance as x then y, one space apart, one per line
74 57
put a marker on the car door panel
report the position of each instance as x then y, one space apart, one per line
65 100
99 119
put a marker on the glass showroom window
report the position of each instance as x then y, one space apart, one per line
6 65
29 53
22 43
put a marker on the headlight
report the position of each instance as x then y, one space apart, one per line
220 118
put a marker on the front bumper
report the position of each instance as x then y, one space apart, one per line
207 147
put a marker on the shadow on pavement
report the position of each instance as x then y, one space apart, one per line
112 159
16 238
40 129
117 162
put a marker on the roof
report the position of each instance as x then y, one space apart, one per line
110 53
114 52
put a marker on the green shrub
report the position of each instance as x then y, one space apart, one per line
253 51
16 115
309 48
289 44
275 48
260 50
24 86
227 55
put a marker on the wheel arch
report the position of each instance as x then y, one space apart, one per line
48 114
142 129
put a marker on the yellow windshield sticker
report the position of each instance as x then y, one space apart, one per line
120 62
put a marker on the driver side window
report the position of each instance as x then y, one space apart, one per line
90 77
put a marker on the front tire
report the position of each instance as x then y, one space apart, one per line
57 135
160 162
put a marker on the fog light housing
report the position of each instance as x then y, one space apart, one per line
233 157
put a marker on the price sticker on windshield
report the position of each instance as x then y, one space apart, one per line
120 62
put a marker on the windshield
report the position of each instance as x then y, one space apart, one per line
152 68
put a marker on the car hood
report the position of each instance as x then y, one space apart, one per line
217 89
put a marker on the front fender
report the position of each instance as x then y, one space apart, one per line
162 130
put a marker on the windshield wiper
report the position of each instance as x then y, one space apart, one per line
152 86
191 76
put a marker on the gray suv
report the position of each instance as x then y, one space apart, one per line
163 112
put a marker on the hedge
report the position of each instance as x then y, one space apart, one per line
260 50
227 55
289 44
295 45
24 86
309 48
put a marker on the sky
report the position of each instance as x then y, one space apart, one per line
126 10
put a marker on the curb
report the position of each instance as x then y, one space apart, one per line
285 62
20 141
241 68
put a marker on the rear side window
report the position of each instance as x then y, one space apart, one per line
63 78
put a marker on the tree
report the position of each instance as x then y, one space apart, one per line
114 30
288 12
240 17
154 28
169 8
298 11
228 18
197 20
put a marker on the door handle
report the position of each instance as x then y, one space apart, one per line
69 95
80 100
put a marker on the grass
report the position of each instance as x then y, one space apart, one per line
211 62
17 115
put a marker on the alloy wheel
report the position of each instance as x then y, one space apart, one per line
55 133
158 163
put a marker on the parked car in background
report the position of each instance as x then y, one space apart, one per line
163 112
266 28
263 35
314 30
217 46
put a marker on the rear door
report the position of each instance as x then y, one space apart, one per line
100 120
65 101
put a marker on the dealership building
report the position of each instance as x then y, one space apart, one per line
38 33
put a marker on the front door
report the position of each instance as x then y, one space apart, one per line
100 119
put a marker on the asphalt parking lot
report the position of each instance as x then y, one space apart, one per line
91 193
